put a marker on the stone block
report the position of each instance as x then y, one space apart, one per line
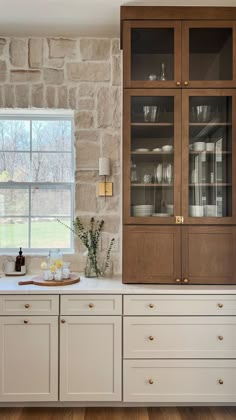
87 89
53 76
1 97
115 46
18 52
72 97
109 109
84 119
87 155
22 96
62 47
86 135
86 103
86 176
3 71
91 72
86 198
3 42
116 70
95 49
25 76
38 95
111 146
62 95
51 96
35 52
9 96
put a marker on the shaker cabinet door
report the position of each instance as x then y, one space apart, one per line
28 358
208 254
90 358
151 254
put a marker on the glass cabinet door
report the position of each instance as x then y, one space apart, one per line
152 156
152 54
209 54
208 157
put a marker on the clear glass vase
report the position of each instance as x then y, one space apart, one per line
90 268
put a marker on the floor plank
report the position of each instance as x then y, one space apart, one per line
119 413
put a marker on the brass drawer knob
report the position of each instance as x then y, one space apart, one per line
221 381
178 83
151 382
91 305
220 305
185 281
220 337
151 338
186 83
177 280
25 321
151 305
63 321
27 306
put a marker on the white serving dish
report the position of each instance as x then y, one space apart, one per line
160 215
167 148
157 149
142 149
199 146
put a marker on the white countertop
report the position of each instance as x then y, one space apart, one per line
9 285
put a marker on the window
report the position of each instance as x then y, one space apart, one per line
36 180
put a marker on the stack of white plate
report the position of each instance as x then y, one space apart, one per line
143 210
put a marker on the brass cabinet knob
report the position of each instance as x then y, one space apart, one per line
25 321
177 280
178 83
220 305
91 305
63 321
151 305
27 305
185 281
221 381
151 338
151 381
220 337
185 83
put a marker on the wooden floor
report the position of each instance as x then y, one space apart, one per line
212 413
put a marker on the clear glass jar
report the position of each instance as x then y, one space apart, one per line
66 270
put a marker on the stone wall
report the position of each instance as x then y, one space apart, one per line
82 74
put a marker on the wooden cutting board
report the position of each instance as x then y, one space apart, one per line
39 281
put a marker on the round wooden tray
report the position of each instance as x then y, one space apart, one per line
39 281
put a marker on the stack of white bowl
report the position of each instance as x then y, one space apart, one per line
143 210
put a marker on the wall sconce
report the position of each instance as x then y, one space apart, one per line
105 188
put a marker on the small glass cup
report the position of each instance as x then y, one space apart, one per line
66 270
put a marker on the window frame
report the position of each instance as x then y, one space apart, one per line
44 115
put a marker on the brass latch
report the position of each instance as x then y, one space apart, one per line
179 220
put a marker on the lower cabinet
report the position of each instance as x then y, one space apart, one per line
90 358
28 358
201 381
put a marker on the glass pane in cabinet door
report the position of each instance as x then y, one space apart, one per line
210 156
210 54
152 156
152 54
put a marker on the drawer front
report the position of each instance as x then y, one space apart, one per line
179 337
199 381
179 305
91 305
29 304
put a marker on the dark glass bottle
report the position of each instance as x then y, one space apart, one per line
20 260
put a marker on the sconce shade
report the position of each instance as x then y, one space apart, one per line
104 166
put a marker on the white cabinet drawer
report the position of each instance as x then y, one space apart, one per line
179 305
179 337
29 304
208 381
91 305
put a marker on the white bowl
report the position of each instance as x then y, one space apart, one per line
196 211
199 146
167 148
157 149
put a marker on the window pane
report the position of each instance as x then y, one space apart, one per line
51 167
14 166
49 233
55 202
14 202
51 135
14 135
14 232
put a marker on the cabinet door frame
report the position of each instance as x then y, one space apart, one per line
185 157
52 321
128 94
186 26
223 280
128 250
116 395
127 27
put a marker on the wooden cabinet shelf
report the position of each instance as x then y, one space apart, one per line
152 185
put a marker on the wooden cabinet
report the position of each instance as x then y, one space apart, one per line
179 142
28 358
90 358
